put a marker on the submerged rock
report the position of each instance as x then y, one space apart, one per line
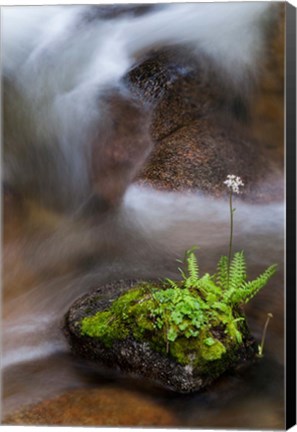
115 326
107 406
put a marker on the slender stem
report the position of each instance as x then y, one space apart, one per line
261 347
231 235
167 346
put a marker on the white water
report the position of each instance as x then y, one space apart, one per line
57 67
60 64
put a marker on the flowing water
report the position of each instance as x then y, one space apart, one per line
59 64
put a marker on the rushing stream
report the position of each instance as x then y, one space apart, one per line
59 65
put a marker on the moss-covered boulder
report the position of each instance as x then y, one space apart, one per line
131 326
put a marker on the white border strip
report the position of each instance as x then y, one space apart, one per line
104 2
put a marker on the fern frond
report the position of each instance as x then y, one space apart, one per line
209 289
184 276
237 275
222 272
172 283
193 270
193 267
223 307
236 296
250 289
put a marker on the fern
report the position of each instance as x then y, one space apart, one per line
237 276
193 270
200 302
237 273
217 288
184 276
172 283
209 289
222 272
250 289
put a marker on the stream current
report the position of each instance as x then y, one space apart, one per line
58 61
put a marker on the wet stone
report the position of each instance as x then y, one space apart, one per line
107 406
203 128
138 358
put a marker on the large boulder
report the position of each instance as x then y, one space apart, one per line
205 127
186 365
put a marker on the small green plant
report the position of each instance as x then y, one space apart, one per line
197 301
197 319
185 307
229 287
179 311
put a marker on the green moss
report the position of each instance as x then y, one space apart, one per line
143 313
196 352
186 351
126 315
105 326
213 352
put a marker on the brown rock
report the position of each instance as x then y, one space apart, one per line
205 128
95 407
137 358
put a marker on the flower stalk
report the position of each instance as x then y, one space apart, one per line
231 235
233 183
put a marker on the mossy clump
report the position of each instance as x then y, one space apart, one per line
194 321
125 314
141 314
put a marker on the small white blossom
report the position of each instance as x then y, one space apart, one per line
233 182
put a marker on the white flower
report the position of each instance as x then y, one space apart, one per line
233 182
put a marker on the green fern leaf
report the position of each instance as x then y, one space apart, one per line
184 276
222 272
172 283
193 267
208 288
193 270
236 296
237 275
221 307
250 289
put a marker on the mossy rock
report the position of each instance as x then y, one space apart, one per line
115 326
